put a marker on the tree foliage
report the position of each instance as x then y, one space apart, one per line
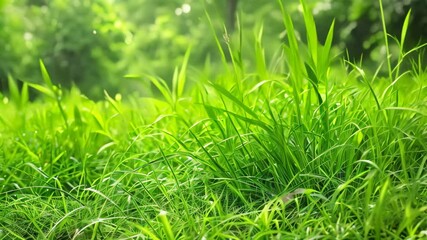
95 43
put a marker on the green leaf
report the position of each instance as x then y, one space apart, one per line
13 90
324 62
310 26
24 94
311 74
45 75
260 56
45 90
183 74
162 86
113 102
230 96
314 81
404 29
251 121
290 30
77 116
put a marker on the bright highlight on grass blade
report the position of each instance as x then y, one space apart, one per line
166 225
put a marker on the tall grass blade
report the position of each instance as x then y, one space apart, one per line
178 82
324 57
294 60
385 33
230 96
311 33
45 75
402 41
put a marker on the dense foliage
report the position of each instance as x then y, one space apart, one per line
95 43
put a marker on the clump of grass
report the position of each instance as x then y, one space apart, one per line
303 153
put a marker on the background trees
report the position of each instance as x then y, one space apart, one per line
95 43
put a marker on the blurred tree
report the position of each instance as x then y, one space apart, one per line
94 43
79 41
15 44
358 24
161 32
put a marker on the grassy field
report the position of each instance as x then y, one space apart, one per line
304 146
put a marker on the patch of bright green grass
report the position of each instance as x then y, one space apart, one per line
301 148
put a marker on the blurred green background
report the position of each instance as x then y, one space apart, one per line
94 43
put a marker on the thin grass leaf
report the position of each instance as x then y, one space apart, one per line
314 82
13 89
371 89
251 121
402 41
230 96
290 30
404 30
145 231
312 39
113 102
25 97
45 90
217 41
326 51
385 33
166 225
294 60
162 86
174 84
45 75
260 55
182 74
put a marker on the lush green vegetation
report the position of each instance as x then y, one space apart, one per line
301 145
93 44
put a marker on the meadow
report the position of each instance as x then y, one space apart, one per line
308 145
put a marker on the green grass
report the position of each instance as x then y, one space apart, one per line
305 146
